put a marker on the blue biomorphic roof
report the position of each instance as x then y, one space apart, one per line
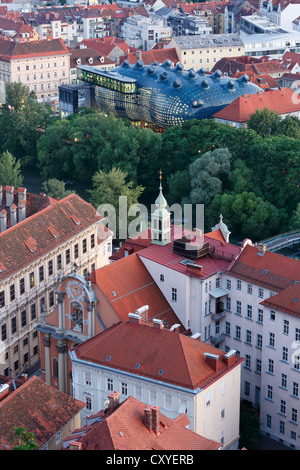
167 96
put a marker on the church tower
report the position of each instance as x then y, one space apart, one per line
160 220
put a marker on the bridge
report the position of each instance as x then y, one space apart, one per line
283 240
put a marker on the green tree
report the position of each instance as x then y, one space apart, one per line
24 440
55 188
290 127
295 219
107 189
10 170
264 122
206 174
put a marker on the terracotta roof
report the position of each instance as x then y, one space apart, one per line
85 55
287 301
39 408
125 429
240 109
270 270
261 80
128 286
128 344
18 50
154 55
58 214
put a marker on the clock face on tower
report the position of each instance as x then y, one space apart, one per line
75 290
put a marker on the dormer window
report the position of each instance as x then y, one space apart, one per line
90 59
78 61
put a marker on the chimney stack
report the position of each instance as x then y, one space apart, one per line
230 357
114 401
134 318
151 418
9 190
24 378
74 445
148 418
158 324
4 391
3 220
261 248
22 210
13 214
155 418
175 328
22 194
213 361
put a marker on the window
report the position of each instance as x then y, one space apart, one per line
239 307
284 354
58 260
217 282
260 316
3 332
260 293
297 334
272 315
110 385
152 397
270 392
259 341
239 284
92 240
51 299
208 398
283 380
168 402
12 292
227 328
248 336
33 311
294 415
249 288
2 299
76 251
223 412
50 268
258 366
249 312
174 294
84 249
228 284
41 273
58 437
247 388
247 361
23 318
270 366
68 256
286 324
31 280
88 378
295 389
124 388
268 421
138 392
238 332
281 427
13 325
22 286
162 278
228 303
272 340
88 403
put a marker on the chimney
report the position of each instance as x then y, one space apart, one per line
1 194
261 248
114 401
3 220
22 194
148 418
213 361
230 357
134 318
139 54
158 324
143 311
196 336
175 327
4 391
13 214
9 190
155 418
22 210
74 445
24 377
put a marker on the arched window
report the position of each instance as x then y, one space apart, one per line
55 367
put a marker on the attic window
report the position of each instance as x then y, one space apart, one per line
53 232
160 372
137 366
75 219
31 244
108 358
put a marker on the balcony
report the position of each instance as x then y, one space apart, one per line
217 339
219 311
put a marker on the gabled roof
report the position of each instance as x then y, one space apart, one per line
85 55
261 80
154 55
162 355
18 50
128 286
39 408
287 301
239 110
124 429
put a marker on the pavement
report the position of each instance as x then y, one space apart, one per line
266 443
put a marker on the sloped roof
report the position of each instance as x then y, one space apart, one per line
39 408
163 355
69 216
240 109
124 429
127 285
287 300
154 55
18 50
85 54
261 80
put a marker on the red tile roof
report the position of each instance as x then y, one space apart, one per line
15 254
261 80
270 270
287 301
128 286
85 55
39 408
154 55
20 50
125 429
130 344
280 101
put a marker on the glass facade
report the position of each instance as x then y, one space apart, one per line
161 95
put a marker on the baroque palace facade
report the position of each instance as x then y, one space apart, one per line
41 239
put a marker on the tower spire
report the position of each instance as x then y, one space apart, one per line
160 219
